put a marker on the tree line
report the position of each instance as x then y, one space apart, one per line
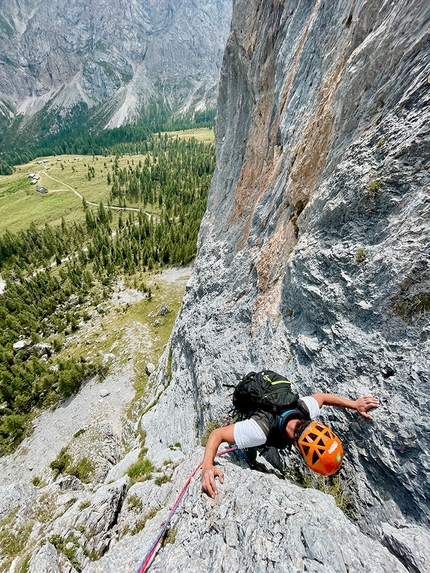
31 310
73 137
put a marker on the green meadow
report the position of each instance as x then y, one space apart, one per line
65 177
202 134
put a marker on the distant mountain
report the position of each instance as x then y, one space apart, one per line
106 62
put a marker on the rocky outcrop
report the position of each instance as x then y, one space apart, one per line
112 56
45 560
257 523
97 449
15 496
60 527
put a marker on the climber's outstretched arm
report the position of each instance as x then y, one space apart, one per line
362 405
209 470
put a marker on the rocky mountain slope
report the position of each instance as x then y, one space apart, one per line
313 261
115 57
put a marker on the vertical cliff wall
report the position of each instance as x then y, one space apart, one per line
314 251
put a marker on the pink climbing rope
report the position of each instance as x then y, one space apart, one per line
152 550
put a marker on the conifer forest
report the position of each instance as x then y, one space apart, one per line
55 275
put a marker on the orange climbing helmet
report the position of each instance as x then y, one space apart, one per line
321 449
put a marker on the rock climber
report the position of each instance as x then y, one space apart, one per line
319 446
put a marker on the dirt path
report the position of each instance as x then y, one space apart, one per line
114 207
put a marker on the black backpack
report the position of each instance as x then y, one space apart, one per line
264 390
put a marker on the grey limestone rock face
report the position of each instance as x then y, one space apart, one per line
60 527
85 520
15 496
257 522
410 543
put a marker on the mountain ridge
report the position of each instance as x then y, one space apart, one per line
114 58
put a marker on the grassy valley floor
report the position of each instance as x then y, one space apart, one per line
68 178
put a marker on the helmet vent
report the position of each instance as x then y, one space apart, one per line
315 457
312 436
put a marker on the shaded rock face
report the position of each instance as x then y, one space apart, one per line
119 54
313 254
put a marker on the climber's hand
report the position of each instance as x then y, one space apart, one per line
209 474
365 403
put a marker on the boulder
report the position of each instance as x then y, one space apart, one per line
164 309
20 344
108 358
45 560
150 368
120 469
